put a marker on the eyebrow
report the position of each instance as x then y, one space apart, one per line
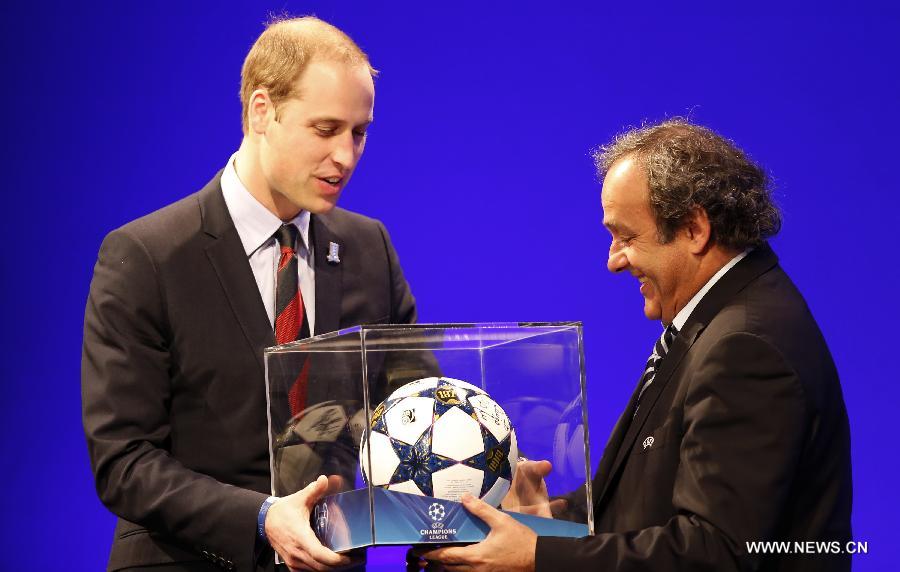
337 121
616 226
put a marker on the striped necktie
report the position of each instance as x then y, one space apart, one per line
289 311
660 349
290 315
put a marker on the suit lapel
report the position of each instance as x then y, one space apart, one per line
679 349
229 261
610 452
329 275
627 429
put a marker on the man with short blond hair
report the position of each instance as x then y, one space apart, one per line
184 301
281 53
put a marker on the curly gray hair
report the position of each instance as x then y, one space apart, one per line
689 166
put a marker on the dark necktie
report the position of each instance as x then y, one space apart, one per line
290 315
660 349
289 312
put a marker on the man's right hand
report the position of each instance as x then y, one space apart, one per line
289 532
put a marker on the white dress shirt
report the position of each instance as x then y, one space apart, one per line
682 317
256 226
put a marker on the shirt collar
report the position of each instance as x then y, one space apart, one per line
255 224
682 317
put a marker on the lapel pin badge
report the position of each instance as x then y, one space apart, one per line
648 442
333 253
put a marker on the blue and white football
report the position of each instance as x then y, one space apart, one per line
440 437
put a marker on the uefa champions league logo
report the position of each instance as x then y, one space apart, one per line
321 518
437 513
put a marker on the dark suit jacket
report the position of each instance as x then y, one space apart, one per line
173 389
750 442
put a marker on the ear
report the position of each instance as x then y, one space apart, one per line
697 230
261 111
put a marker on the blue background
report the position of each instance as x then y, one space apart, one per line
478 162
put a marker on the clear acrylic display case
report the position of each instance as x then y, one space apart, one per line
322 393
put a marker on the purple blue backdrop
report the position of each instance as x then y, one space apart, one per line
478 163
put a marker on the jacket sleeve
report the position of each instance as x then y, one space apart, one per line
127 362
743 427
402 367
403 305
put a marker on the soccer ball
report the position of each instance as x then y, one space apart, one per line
440 437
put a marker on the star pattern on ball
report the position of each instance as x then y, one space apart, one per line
418 462
446 396
405 463
379 421
441 406
495 458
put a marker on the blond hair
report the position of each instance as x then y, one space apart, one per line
282 52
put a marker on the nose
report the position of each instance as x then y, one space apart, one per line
617 260
344 151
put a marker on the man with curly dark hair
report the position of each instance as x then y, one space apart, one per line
736 432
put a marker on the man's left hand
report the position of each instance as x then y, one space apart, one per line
509 545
